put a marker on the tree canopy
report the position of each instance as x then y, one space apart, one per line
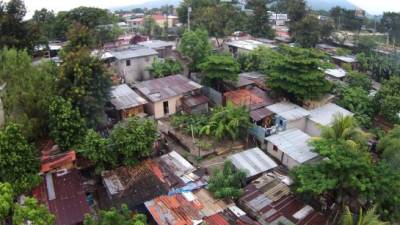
258 21
295 73
19 164
228 182
195 45
166 67
307 32
65 124
30 210
218 68
133 140
122 216
387 100
389 146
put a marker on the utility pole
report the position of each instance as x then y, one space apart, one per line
189 11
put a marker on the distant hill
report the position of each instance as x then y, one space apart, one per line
150 4
314 4
328 4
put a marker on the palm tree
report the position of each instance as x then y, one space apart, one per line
345 128
369 218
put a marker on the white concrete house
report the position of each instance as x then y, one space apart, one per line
290 147
289 115
131 63
323 116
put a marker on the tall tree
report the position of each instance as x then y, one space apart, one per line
307 31
19 164
14 29
195 45
150 27
133 140
228 182
389 146
295 73
387 100
219 68
259 20
390 23
85 80
30 210
98 150
65 124
27 93
45 20
166 67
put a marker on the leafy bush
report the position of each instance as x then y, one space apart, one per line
228 182
187 123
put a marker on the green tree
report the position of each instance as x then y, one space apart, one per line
258 24
355 168
14 29
166 67
65 123
150 27
369 218
256 60
28 90
79 37
19 164
227 122
359 102
295 73
387 100
45 20
389 146
390 23
307 32
85 81
344 128
357 79
6 200
32 211
98 150
118 217
219 68
195 46
228 182
133 139
366 45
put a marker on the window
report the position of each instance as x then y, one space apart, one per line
275 148
128 62
166 108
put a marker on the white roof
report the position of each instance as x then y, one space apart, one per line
294 143
347 59
288 110
337 73
123 97
253 161
324 115
156 44
249 44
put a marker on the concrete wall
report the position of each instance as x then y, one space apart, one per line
137 71
157 108
300 124
312 129
280 156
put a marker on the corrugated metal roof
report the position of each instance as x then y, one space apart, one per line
324 115
294 143
177 163
123 97
157 44
346 59
67 200
132 52
288 110
192 101
167 87
253 97
337 73
253 161
260 114
249 44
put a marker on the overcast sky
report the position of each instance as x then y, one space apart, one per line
372 6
